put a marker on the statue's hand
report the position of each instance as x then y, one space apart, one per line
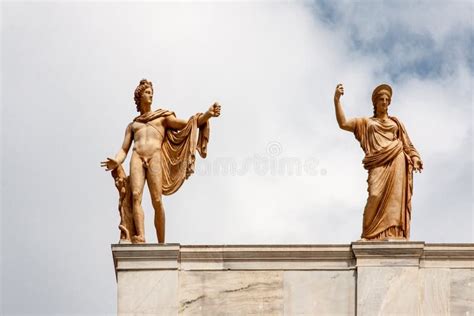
339 91
214 110
109 164
417 164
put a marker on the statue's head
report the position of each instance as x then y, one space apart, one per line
139 91
381 97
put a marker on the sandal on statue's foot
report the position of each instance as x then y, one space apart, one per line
138 239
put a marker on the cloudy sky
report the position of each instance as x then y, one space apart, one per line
279 170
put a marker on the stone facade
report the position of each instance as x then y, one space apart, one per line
364 278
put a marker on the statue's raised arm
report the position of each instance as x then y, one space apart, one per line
344 124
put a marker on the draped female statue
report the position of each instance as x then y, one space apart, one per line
390 159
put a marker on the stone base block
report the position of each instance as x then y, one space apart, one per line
364 278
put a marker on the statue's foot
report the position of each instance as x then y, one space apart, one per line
138 239
124 241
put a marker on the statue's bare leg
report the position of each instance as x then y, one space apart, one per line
154 180
137 181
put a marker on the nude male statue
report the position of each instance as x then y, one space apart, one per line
161 143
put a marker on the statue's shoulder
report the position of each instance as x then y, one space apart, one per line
164 112
363 119
151 116
161 114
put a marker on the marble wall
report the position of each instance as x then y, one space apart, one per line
147 292
394 278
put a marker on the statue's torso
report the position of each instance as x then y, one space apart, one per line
381 133
148 137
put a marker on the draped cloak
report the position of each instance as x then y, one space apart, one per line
388 159
178 149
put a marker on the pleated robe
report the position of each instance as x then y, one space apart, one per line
388 159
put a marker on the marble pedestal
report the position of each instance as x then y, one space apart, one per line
364 278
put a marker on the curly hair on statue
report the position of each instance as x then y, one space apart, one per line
139 91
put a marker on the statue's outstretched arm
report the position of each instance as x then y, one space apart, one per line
347 125
175 123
